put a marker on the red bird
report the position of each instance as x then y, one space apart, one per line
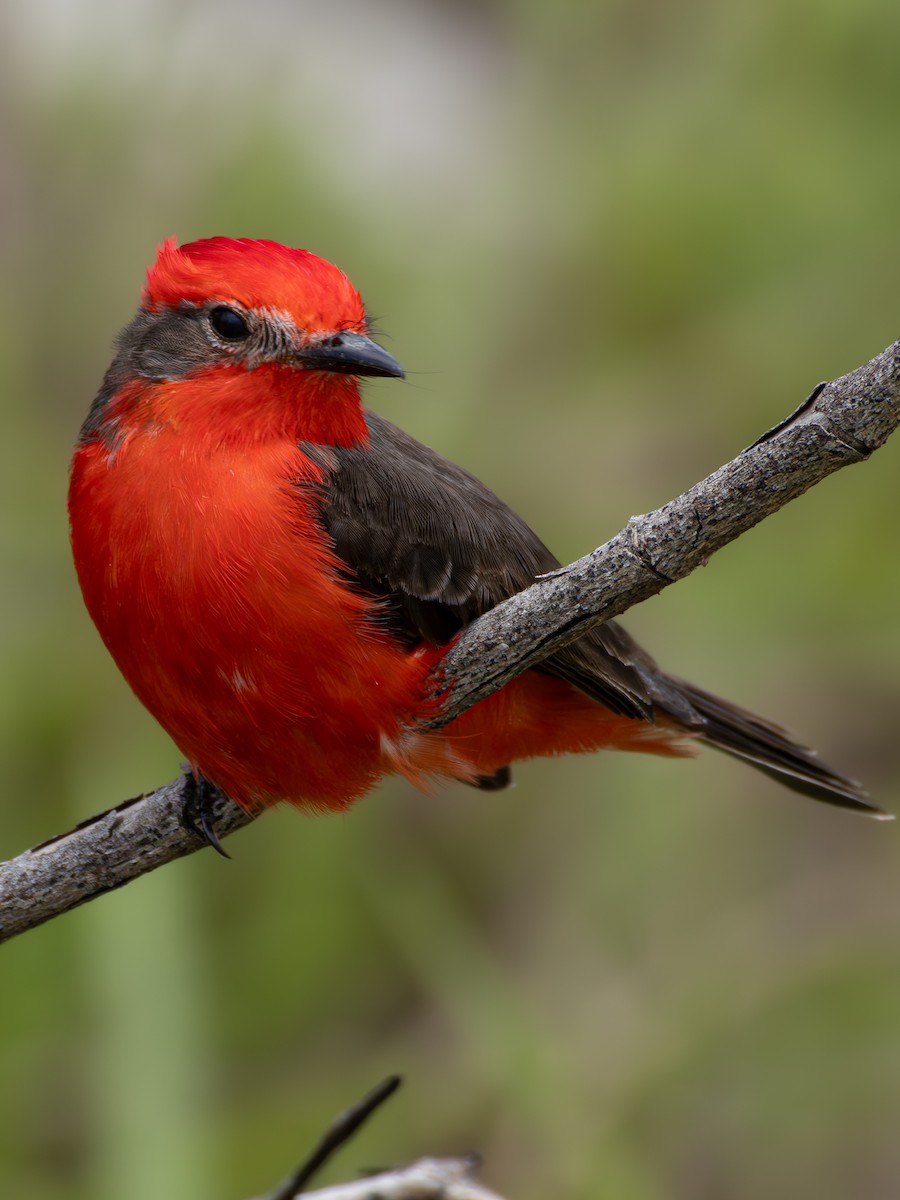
277 570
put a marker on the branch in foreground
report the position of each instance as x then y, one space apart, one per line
426 1179
841 423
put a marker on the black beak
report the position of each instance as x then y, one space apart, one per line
349 354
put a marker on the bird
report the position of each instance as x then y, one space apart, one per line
277 571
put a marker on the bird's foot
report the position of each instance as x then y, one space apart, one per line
196 809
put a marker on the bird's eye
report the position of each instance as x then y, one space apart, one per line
228 324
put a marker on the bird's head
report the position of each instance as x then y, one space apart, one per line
242 331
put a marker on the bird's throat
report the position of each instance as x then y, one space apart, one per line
234 406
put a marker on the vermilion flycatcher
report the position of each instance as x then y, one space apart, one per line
276 570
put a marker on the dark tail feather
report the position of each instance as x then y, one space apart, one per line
772 750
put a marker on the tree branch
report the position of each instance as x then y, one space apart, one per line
103 853
840 423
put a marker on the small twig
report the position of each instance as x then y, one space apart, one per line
341 1129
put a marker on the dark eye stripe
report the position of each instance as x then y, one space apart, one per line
228 324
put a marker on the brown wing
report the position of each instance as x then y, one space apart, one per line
441 549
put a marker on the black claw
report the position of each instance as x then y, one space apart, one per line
196 810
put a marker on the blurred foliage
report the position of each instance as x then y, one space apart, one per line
612 243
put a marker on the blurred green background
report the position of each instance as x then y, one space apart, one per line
612 243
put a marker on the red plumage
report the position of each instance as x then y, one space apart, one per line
228 500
